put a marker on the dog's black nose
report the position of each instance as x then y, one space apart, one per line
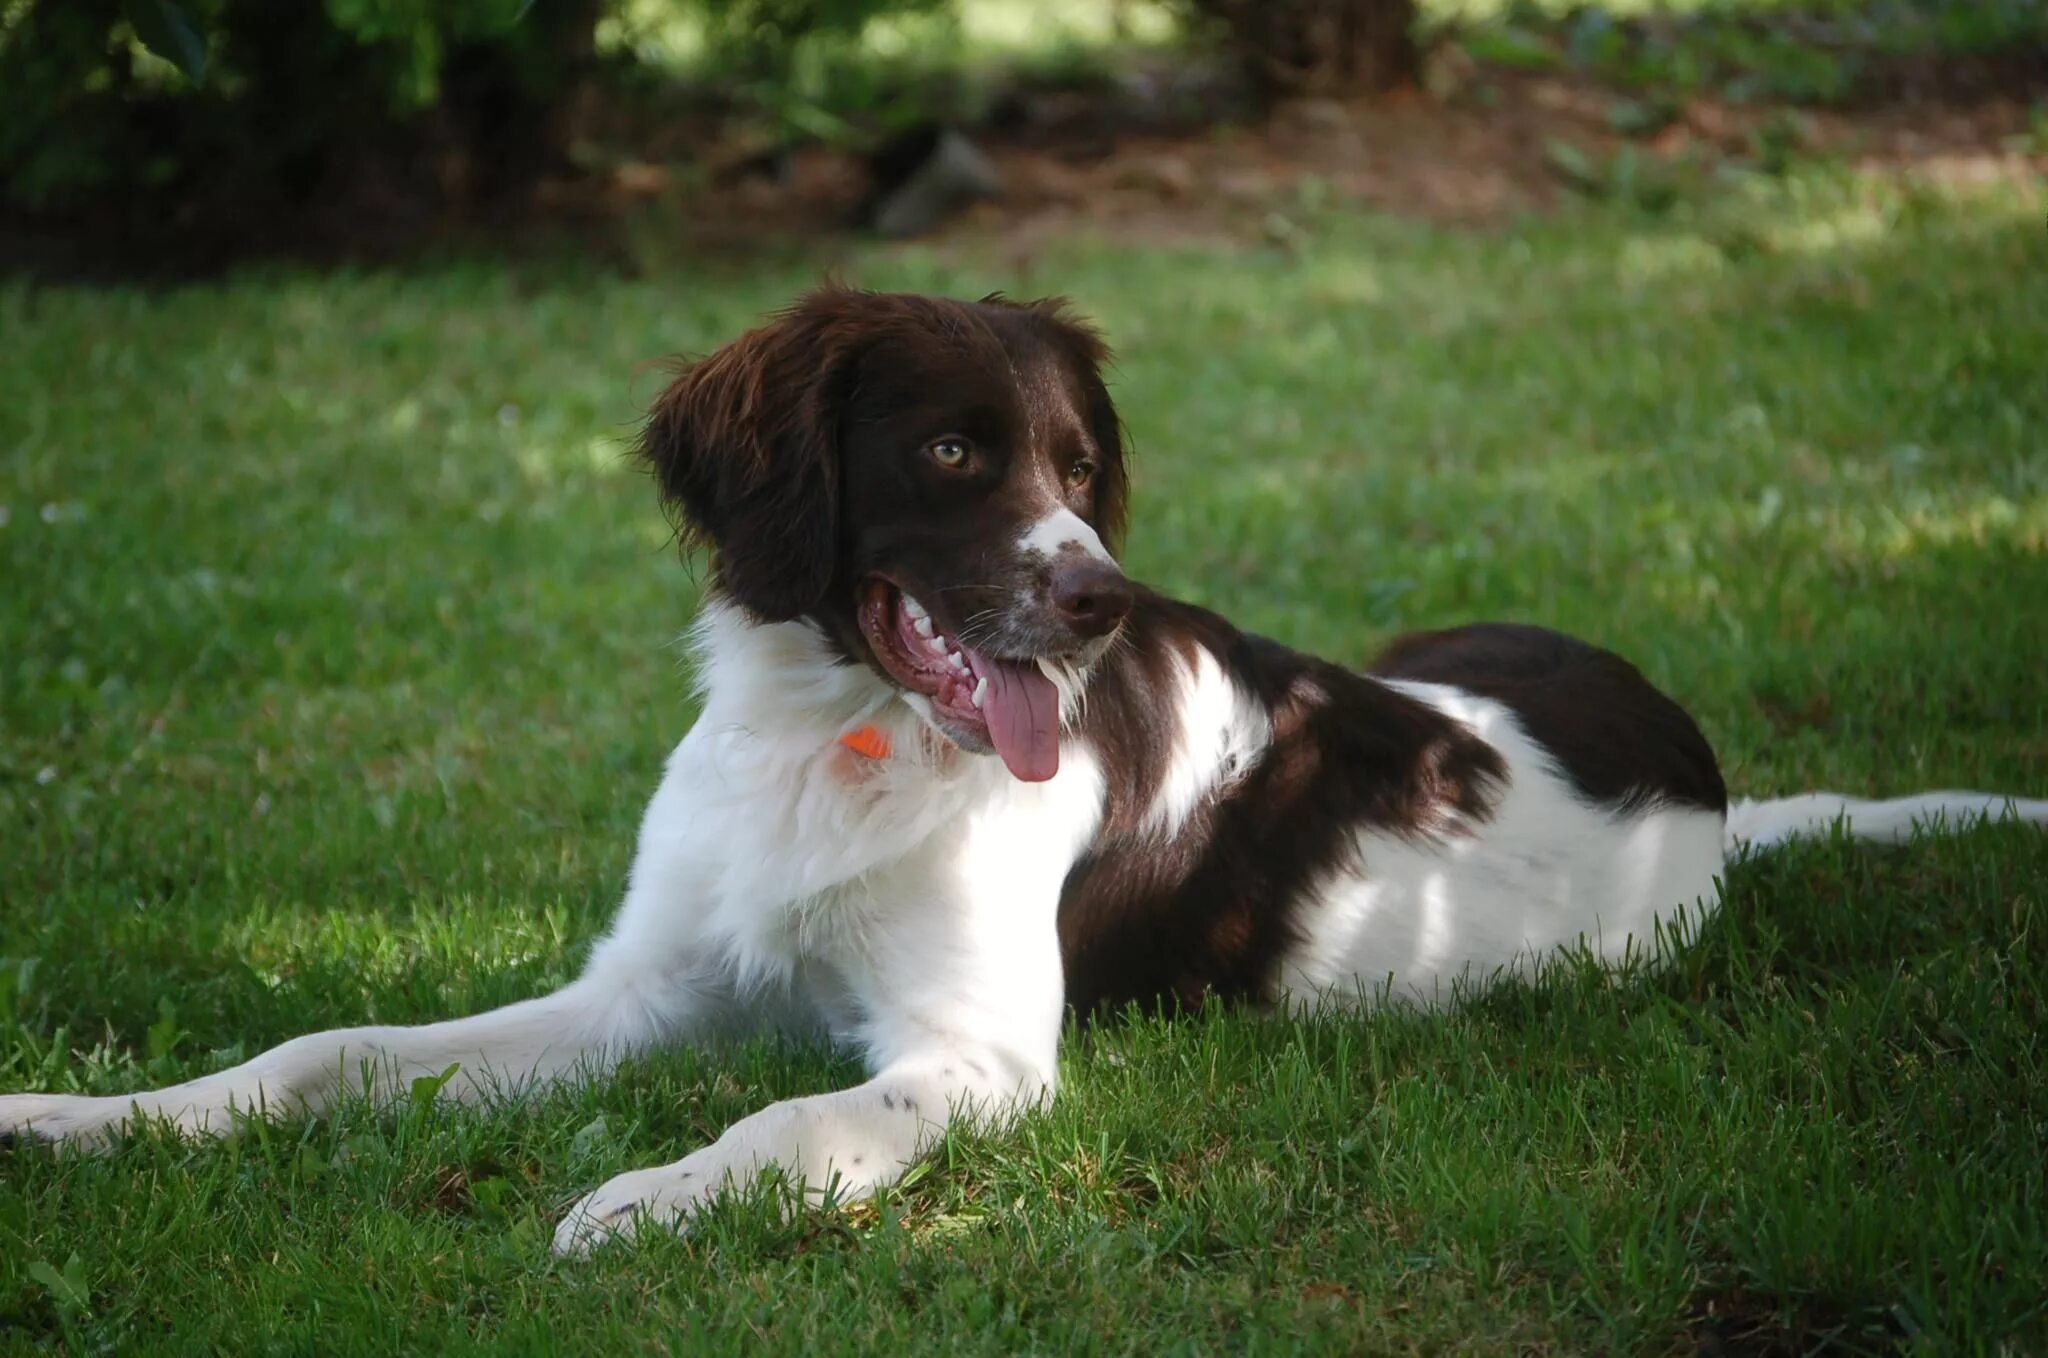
1092 596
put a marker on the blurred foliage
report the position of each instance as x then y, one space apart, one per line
1293 47
153 95
1816 52
757 40
801 63
248 124
145 94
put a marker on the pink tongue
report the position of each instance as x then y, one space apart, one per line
1022 709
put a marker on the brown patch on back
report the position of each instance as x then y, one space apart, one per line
1623 744
1211 909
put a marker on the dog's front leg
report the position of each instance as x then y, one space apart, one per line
950 960
621 1004
845 1144
653 980
583 1027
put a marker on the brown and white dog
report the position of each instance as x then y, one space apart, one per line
955 775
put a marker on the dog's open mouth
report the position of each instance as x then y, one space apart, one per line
977 698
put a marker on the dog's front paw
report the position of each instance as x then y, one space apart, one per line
664 1197
69 1119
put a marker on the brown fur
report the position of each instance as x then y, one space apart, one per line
753 444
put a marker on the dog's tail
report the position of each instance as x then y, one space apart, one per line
1759 825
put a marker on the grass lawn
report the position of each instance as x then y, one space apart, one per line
336 663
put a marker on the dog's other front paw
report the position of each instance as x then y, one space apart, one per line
67 1119
664 1197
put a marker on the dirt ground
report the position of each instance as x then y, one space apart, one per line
1481 150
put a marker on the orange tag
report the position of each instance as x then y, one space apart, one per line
869 741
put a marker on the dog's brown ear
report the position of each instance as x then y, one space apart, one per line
745 443
1113 481
1090 354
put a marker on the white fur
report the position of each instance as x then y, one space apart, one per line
1221 733
1416 919
1758 825
1061 531
909 906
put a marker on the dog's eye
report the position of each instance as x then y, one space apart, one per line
950 453
1081 473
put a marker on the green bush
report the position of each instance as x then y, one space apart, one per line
1289 47
104 94
164 110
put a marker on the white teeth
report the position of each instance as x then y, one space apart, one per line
924 626
956 662
913 608
937 646
980 692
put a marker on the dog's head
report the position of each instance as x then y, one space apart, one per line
938 484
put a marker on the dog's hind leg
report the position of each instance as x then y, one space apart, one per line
948 961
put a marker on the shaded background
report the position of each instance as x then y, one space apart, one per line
152 136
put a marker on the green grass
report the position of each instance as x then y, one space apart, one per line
336 663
